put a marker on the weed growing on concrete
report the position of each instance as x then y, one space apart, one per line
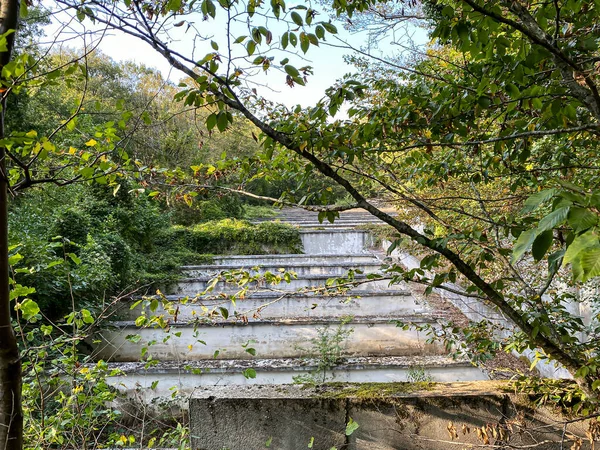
419 374
327 349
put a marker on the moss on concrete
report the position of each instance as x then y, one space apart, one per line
371 390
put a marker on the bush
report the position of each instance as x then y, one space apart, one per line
72 224
226 207
231 236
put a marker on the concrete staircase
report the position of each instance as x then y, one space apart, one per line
269 335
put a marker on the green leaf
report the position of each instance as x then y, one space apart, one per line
211 121
537 199
351 427
23 11
555 261
484 101
285 40
320 32
224 312
584 241
249 373
580 219
13 259
291 71
19 291
222 121
541 244
251 47
329 27
74 258
29 309
512 90
525 241
297 18
553 219
304 42
590 263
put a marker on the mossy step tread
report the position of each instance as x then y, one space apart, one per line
295 255
369 320
374 263
357 390
317 231
355 295
308 276
291 364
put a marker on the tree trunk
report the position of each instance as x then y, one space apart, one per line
11 412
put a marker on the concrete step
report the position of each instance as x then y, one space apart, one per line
351 222
195 286
335 241
186 376
292 259
186 341
300 268
274 306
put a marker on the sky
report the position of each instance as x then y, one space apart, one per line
328 61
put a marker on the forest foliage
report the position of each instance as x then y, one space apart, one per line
486 141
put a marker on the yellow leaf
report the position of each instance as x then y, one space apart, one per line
84 370
91 143
72 150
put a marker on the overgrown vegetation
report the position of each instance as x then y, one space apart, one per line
372 391
490 135
86 244
231 236
326 350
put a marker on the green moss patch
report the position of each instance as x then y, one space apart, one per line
372 390
231 236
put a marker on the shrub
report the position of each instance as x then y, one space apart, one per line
224 207
233 236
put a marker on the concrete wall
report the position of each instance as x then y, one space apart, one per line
334 241
271 339
286 260
369 304
443 417
162 380
194 286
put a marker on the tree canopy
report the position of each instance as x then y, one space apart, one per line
485 140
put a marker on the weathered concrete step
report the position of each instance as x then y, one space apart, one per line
300 268
269 338
186 376
197 285
285 260
301 220
274 306
302 223
335 241
390 416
